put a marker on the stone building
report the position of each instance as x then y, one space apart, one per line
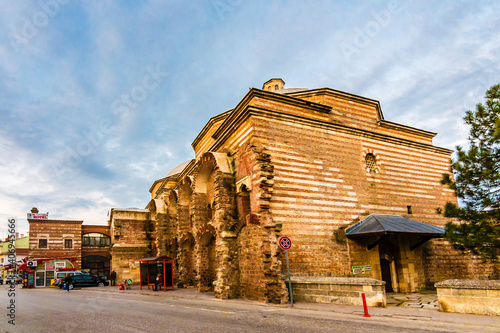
308 164
67 244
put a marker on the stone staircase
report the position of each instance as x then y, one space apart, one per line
413 300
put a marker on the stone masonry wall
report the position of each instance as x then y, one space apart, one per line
132 237
469 296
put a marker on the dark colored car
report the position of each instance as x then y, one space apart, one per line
84 280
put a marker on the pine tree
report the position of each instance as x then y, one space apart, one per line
476 228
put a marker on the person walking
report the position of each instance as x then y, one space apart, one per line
159 282
67 281
112 277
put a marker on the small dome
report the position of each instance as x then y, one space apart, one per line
274 85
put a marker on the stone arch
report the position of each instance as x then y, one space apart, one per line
172 250
213 190
172 211
244 207
184 205
209 162
186 260
259 258
207 258
158 215
214 211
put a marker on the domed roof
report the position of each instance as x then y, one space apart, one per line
179 168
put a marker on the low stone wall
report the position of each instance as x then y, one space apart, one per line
338 290
469 296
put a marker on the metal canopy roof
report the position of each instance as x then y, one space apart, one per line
154 259
390 224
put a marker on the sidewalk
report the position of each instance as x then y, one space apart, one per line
397 306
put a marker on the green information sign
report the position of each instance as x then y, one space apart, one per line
356 270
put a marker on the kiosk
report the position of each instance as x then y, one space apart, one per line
151 267
29 280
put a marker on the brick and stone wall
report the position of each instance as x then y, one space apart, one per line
454 265
132 238
469 296
55 232
294 164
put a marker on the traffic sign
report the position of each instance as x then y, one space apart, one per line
285 243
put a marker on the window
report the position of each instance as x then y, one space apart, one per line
243 203
409 209
42 243
371 163
96 239
275 87
68 243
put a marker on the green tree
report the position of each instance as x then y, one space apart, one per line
477 183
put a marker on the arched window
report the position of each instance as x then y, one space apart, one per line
371 162
243 202
95 239
276 87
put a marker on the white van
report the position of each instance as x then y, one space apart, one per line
60 276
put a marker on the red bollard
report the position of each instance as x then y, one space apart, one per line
364 305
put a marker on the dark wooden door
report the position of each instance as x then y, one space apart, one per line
385 267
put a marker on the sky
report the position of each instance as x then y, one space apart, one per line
98 99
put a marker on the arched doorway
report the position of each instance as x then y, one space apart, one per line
207 262
186 268
96 265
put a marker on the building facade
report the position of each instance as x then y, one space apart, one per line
67 245
7 258
308 164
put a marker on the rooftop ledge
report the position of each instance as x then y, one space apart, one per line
469 284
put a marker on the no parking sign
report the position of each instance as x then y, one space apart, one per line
285 243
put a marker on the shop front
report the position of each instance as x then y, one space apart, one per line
45 271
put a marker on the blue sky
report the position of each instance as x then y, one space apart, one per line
101 98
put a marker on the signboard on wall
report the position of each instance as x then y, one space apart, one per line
356 270
37 216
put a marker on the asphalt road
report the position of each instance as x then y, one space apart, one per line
90 310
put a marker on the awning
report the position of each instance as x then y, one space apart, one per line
387 225
153 259
391 224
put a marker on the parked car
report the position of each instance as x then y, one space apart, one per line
60 276
14 279
85 280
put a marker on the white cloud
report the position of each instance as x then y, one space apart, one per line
428 65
